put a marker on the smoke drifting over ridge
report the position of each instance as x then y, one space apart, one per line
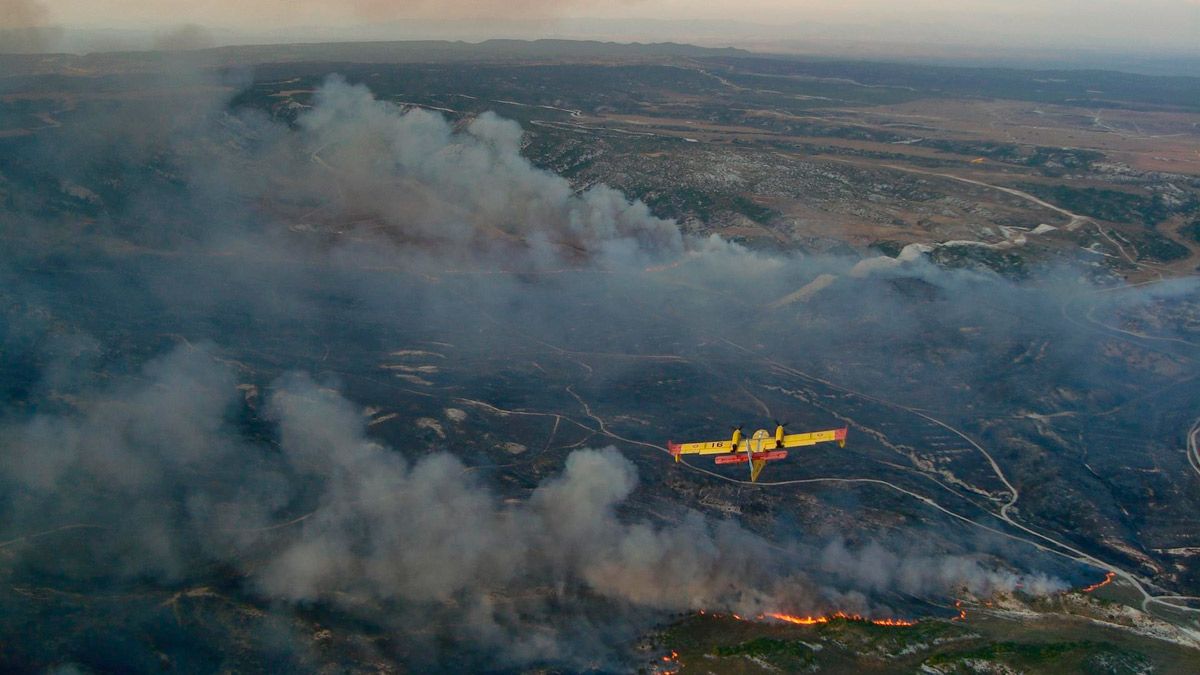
245 232
424 180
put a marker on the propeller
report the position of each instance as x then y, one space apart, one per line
781 424
736 428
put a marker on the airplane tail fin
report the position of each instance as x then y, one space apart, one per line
675 449
756 467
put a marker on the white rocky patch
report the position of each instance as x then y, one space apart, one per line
432 425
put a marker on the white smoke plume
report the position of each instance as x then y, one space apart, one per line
166 487
413 179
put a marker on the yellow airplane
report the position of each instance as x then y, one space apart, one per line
759 449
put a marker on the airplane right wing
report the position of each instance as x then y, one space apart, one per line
814 437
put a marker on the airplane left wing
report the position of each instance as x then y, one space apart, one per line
709 448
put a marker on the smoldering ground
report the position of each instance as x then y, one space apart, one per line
157 260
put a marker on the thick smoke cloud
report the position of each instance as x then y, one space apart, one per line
429 534
247 232
421 180
162 486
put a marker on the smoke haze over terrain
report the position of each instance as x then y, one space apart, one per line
167 489
231 229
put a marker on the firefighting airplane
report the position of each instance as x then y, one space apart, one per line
759 449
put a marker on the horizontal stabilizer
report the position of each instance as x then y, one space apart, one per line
758 456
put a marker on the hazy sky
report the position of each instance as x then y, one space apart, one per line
1129 25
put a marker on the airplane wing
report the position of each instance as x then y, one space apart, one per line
709 448
814 437
720 447
756 451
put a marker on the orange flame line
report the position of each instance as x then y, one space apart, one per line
894 623
814 620
1108 579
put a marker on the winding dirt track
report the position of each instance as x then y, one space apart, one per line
1193 447
1074 219
1032 537
1051 544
